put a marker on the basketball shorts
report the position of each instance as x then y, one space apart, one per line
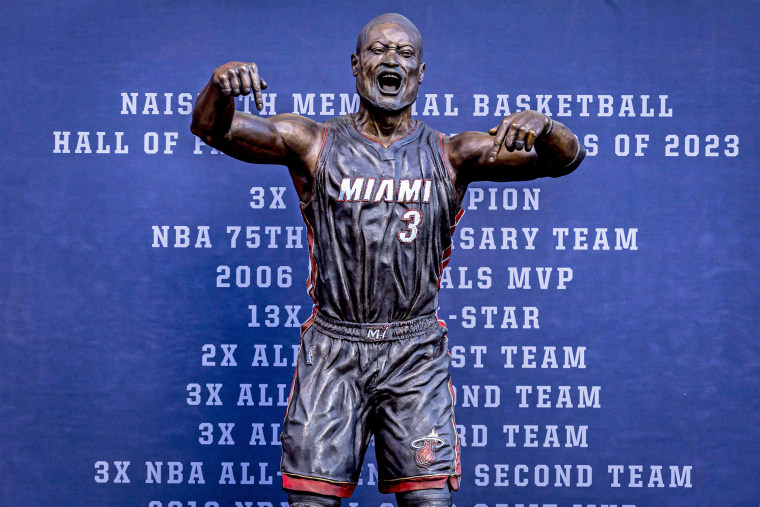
353 381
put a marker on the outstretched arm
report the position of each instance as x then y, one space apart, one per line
526 145
284 139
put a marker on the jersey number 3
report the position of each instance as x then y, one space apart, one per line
412 217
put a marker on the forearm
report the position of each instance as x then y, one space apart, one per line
213 113
526 145
559 151
243 136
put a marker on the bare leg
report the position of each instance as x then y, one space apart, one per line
424 498
306 499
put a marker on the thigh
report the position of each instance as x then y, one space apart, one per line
325 431
416 441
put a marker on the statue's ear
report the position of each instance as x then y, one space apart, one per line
422 71
355 64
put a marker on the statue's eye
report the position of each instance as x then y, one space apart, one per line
378 50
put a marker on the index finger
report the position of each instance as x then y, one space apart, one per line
499 139
256 86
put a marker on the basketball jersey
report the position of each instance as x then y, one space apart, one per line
379 224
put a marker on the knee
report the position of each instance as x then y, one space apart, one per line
424 498
305 499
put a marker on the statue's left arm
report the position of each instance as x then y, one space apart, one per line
526 145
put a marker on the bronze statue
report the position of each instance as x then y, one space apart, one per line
381 194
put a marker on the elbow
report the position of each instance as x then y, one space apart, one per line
572 165
205 134
195 129
198 128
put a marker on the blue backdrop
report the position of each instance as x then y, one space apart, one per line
151 290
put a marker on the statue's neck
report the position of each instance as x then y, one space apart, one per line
383 126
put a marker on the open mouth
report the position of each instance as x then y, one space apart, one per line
389 82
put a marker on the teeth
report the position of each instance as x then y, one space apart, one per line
390 81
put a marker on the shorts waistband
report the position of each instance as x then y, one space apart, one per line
374 331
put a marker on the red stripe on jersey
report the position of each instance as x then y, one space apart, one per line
444 157
324 139
311 279
456 446
447 252
304 327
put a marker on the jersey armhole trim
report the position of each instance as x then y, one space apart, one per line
317 170
321 148
446 168
446 164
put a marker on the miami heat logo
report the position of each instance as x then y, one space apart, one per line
377 332
426 447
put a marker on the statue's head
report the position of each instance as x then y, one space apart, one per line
388 62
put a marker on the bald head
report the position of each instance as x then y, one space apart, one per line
390 17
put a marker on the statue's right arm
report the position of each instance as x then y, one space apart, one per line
284 139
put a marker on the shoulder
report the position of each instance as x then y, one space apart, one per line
296 123
427 130
299 133
339 122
